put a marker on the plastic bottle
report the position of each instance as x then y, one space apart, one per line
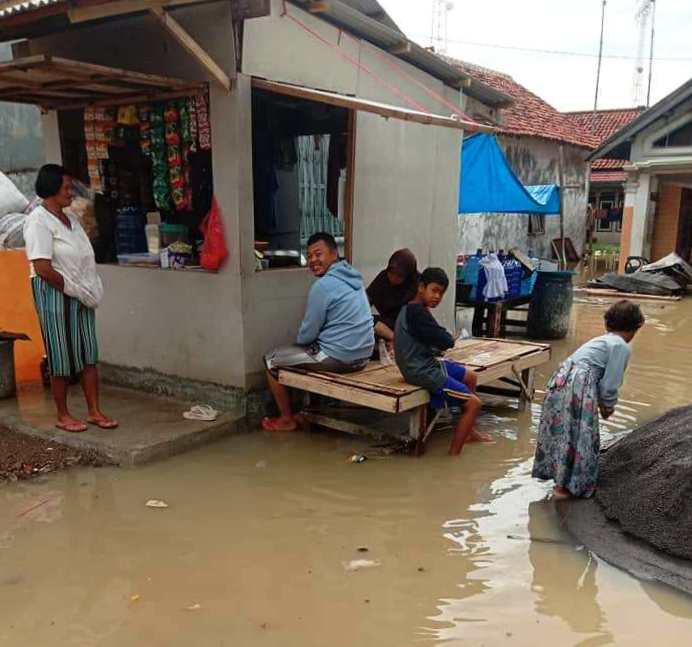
385 357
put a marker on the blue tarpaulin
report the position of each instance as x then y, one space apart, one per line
488 183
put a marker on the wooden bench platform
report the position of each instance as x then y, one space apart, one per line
503 368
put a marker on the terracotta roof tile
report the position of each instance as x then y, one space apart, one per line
605 123
529 114
599 177
608 164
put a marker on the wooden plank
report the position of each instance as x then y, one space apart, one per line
188 43
353 103
79 68
502 370
626 295
315 384
413 400
115 8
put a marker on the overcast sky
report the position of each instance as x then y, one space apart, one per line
566 82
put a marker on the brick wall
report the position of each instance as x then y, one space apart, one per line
665 235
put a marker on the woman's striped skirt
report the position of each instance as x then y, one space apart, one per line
68 328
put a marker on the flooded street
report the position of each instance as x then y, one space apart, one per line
251 551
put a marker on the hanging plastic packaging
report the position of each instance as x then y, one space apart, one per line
214 250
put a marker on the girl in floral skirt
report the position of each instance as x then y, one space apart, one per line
587 382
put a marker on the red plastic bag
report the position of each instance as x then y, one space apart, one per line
214 250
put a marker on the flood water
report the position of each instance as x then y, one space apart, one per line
251 551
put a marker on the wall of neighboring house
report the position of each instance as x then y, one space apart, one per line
603 196
21 147
217 327
535 161
666 220
655 166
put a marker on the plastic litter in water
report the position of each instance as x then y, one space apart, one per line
360 564
156 503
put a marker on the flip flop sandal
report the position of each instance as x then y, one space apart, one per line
103 424
73 429
201 412
271 424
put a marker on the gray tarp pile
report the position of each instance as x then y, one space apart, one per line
646 483
667 277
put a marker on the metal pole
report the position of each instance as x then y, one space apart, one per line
561 180
651 52
600 56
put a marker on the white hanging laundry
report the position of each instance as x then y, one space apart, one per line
496 282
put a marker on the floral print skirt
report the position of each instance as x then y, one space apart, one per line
568 443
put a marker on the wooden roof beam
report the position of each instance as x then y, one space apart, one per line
177 31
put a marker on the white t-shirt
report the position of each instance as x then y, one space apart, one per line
68 249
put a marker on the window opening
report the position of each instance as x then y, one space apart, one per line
300 175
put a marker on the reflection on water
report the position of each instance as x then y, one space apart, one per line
250 551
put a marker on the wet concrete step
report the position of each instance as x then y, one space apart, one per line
151 426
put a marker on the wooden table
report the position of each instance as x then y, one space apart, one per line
490 319
503 368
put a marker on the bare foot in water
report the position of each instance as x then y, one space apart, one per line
560 493
477 437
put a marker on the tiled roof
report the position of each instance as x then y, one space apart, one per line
605 123
600 177
529 114
608 164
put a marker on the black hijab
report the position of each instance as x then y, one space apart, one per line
388 299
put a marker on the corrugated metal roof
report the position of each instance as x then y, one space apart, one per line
13 8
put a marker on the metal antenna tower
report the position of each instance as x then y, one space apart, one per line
644 12
439 34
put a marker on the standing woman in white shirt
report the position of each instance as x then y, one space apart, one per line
66 291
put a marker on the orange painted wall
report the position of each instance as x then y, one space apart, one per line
17 313
665 236
625 236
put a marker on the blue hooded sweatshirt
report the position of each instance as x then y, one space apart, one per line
338 315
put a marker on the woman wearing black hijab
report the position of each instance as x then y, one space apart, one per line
391 290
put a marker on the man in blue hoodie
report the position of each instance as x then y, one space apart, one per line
336 334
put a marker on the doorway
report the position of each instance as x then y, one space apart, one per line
684 243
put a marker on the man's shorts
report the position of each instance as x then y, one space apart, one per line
310 358
453 390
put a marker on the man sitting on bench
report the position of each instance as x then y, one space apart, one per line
336 334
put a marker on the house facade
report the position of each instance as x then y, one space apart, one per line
530 132
656 149
304 73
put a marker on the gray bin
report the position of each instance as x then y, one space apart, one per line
8 383
551 306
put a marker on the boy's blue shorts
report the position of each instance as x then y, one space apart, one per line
454 389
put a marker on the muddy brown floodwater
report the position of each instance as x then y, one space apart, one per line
251 550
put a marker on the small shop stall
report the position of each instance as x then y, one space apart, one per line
140 147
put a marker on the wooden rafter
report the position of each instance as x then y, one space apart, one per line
54 83
178 32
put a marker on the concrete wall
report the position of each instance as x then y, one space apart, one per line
406 174
535 161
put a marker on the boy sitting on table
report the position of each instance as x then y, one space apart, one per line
419 341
